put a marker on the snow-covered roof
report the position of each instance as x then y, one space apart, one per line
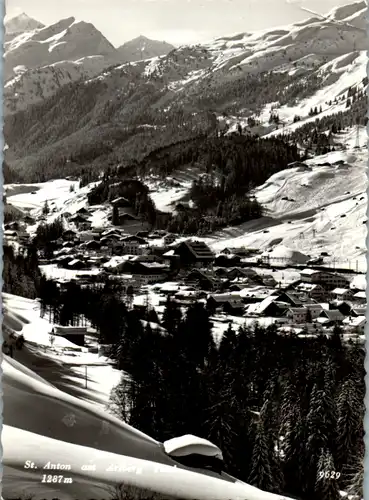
340 291
189 445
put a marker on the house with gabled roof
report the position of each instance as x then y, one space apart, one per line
360 297
194 253
331 317
342 293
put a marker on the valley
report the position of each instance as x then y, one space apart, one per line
184 281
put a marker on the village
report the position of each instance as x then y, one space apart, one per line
237 285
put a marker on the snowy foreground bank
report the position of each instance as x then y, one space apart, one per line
90 453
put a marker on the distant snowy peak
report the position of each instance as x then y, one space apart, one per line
66 40
21 24
143 48
345 12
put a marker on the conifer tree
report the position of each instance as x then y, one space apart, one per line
172 316
261 474
326 486
349 423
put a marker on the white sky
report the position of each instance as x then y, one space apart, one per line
175 21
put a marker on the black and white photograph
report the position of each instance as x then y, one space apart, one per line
184 249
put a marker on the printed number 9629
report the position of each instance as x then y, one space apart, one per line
329 475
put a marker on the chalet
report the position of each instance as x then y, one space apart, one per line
230 303
252 296
356 323
331 317
221 272
360 297
342 294
69 235
76 264
238 272
93 245
146 272
121 202
270 306
201 279
288 298
327 280
187 297
342 306
78 218
74 334
315 292
297 314
110 241
109 232
314 310
194 254
169 239
124 217
358 311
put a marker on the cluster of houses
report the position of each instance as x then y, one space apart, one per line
231 283
228 282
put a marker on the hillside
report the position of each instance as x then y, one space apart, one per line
32 393
143 48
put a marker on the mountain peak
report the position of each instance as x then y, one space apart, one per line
21 23
134 50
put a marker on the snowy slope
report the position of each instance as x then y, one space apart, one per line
34 85
107 471
327 213
48 424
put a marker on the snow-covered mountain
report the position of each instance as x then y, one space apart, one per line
76 50
20 24
143 48
66 40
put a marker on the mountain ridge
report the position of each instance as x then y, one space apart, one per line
176 96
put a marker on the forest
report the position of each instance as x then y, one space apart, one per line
283 408
21 274
126 116
232 166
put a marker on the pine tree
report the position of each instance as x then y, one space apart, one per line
227 345
349 423
46 208
115 216
172 316
326 486
261 474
